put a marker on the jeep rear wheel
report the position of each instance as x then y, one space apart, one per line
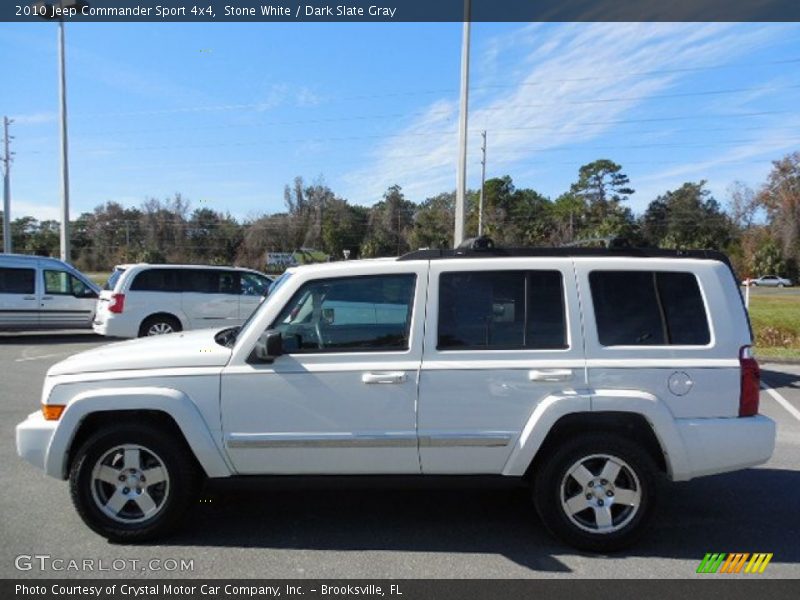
596 493
133 483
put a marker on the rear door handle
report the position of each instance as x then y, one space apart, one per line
29 298
47 297
550 375
393 377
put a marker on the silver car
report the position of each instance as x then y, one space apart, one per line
771 281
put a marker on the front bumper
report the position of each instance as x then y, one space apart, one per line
33 438
722 445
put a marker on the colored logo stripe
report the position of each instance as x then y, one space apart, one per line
758 563
734 563
710 563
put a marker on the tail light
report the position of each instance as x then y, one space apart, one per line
751 383
117 303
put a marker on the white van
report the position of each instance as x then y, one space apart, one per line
145 299
38 292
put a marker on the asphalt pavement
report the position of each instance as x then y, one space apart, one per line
387 533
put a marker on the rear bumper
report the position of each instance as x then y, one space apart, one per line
112 326
722 445
33 437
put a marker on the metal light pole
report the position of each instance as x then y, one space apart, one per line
483 183
49 13
62 89
6 187
461 181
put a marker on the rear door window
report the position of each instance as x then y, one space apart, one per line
501 310
17 281
648 308
210 281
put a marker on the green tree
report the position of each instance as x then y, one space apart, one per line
343 228
767 259
433 222
688 217
389 224
780 197
600 190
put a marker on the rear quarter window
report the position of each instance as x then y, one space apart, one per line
157 280
649 308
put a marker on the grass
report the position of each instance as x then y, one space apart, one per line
99 278
775 315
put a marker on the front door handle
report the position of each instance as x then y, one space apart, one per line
393 377
47 297
550 375
29 298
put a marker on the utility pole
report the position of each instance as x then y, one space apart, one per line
65 250
483 182
6 187
461 181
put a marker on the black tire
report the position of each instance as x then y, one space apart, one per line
159 321
627 524
174 496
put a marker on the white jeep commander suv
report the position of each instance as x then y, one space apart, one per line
584 373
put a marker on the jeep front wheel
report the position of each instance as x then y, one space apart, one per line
132 483
596 493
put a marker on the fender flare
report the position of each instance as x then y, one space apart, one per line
659 417
544 416
554 407
173 402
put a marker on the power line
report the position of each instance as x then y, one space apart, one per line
258 106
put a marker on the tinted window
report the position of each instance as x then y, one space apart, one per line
157 280
17 281
349 314
501 310
210 281
648 308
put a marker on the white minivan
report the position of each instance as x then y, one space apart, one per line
37 292
144 299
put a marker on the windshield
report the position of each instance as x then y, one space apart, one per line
230 335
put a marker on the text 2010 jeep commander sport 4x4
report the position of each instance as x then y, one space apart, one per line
586 373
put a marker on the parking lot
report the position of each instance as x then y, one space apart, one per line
389 533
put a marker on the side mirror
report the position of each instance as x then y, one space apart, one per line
268 347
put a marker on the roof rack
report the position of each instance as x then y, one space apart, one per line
600 242
484 247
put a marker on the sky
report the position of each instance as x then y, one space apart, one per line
228 114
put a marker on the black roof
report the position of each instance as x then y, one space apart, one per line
564 251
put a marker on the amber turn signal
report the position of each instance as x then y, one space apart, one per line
52 412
